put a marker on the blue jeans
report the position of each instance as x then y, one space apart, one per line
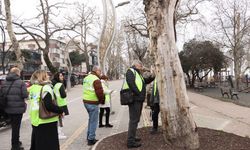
93 111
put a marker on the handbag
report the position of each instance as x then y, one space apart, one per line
43 112
126 97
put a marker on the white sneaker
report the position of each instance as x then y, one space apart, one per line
61 137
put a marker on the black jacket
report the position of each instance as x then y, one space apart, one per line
154 98
130 78
17 94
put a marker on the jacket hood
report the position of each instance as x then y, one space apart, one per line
12 77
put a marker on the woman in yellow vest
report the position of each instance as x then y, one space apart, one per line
44 131
107 104
60 93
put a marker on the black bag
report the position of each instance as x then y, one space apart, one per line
3 97
126 97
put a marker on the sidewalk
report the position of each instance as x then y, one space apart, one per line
215 114
244 98
208 112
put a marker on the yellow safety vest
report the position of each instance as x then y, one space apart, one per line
34 98
138 80
88 88
60 101
155 86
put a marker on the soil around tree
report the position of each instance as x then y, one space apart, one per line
209 140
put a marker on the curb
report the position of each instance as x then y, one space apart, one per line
96 144
146 123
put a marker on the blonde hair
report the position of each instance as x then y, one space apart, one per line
40 76
15 70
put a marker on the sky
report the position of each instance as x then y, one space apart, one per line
27 8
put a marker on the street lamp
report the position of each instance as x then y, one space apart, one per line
106 40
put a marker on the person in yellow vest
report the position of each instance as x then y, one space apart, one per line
44 131
106 106
60 93
93 95
137 84
155 107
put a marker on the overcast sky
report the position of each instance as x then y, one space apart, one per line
27 9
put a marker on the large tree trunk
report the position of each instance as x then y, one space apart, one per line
12 36
177 121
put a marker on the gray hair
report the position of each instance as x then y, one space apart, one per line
95 68
136 62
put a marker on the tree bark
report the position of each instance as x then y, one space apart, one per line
12 36
45 14
178 125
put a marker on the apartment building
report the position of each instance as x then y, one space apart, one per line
56 52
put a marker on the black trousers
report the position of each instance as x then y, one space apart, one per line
134 118
16 120
107 109
155 114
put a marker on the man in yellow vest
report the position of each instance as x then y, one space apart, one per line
155 107
93 95
137 84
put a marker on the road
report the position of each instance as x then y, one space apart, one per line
75 124
207 112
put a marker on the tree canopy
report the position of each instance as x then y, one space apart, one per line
76 58
198 58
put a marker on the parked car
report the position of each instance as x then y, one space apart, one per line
27 83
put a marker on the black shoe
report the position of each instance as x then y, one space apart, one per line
100 125
108 125
134 145
20 143
153 131
92 142
17 148
137 139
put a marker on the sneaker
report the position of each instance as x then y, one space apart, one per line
61 137
108 125
92 142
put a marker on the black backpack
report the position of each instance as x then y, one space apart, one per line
3 97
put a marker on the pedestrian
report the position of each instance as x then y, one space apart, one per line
93 95
60 93
155 107
106 106
44 131
137 84
16 91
